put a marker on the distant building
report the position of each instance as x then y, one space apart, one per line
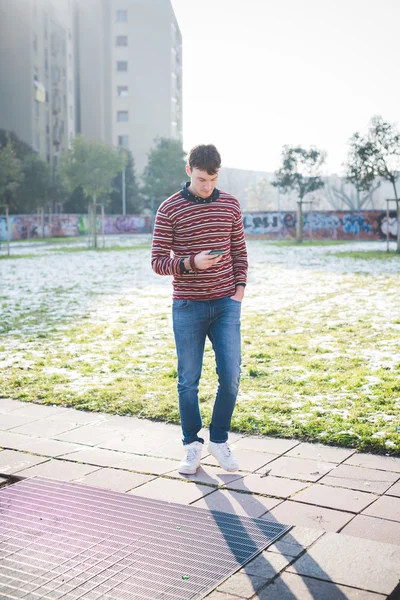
130 73
37 74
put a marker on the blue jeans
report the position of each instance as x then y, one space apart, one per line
193 321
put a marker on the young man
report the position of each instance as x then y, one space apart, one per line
203 228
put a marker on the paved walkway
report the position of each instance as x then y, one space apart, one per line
344 505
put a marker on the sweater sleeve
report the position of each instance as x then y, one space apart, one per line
161 261
238 251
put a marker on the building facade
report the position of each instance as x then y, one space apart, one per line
129 80
37 74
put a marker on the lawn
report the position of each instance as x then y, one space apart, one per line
320 343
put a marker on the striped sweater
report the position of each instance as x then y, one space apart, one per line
184 227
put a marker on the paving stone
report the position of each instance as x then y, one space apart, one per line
352 561
172 449
270 486
295 513
299 468
90 435
265 444
8 405
14 441
374 461
172 490
12 461
289 586
372 528
58 469
248 460
136 443
243 585
29 409
114 479
360 478
237 503
221 596
320 452
80 417
10 421
339 498
100 457
266 565
385 507
49 447
44 427
296 541
209 475
152 466
394 490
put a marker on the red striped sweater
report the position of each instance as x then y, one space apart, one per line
183 227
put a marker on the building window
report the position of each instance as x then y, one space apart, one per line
122 91
37 142
122 16
122 65
122 115
123 141
121 40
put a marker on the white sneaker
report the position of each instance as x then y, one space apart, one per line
224 456
191 462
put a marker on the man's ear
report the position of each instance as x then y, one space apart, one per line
188 171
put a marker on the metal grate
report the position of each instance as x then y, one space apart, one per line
68 541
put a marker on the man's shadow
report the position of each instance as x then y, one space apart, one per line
263 566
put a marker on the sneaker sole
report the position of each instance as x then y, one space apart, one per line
187 471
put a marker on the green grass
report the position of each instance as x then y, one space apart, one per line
368 255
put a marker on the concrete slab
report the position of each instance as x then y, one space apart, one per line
242 585
394 490
352 561
114 479
209 475
80 417
49 447
44 427
267 565
90 435
320 452
237 503
14 441
315 517
58 469
172 449
152 466
296 541
220 596
12 462
298 468
10 421
100 457
265 444
339 498
385 507
248 460
289 587
374 461
8 405
360 478
29 409
135 442
372 528
270 486
172 490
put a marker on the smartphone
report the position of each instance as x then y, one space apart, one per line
216 252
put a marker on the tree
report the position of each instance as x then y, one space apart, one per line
259 195
133 200
11 175
165 171
376 155
338 193
91 165
300 173
37 185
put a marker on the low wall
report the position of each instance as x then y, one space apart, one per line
29 226
329 225
323 225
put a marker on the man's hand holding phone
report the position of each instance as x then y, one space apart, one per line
208 258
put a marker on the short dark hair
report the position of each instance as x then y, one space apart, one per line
204 157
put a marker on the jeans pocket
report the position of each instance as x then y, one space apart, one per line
180 303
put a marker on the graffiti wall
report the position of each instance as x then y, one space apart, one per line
24 227
329 225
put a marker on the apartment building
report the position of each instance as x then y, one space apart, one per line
37 73
129 81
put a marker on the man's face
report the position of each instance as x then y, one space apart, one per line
202 184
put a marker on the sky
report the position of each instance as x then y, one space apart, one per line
259 74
